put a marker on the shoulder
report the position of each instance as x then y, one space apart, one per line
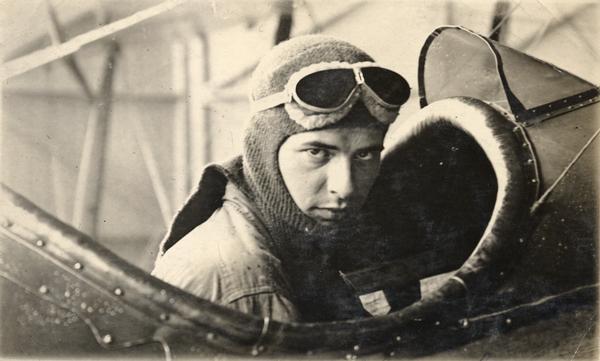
225 258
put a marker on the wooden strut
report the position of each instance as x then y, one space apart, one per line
200 113
317 26
91 167
284 28
55 52
181 131
57 36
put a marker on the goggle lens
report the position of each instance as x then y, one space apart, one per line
327 88
390 86
331 88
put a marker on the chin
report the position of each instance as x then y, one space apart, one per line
335 226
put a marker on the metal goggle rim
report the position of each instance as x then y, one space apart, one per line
290 94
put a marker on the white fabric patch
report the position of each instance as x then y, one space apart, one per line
375 303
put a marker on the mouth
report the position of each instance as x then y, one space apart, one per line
327 214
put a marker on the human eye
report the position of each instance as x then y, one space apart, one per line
318 153
367 155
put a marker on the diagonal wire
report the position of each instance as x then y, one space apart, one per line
543 198
504 19
153 172
574 29
551 25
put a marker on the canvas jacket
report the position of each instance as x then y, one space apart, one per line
227 260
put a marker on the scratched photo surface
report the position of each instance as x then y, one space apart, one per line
484 210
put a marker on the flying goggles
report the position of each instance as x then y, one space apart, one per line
322 94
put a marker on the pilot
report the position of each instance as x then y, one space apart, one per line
269 232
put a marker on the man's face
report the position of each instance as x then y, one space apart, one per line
330 172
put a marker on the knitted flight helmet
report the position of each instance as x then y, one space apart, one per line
266 130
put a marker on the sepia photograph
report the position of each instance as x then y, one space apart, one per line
299 179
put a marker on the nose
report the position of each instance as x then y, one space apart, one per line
340 180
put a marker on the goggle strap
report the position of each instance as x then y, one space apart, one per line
270 101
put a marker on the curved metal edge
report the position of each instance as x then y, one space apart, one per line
421 67
529 116
542 112
97 266
207 323
529 160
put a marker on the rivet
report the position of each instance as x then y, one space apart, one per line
508 321
569 107
524 145
254 352
172 301
118 291
39 243
547 114
90 309
533 111
43 289
464 323
515 129
356 347
348 357
521 240
454 149
77 266
163 292
83 305
164 317
392 354
441 163
564 101
210 336
501 274
562 219
67 294
398 338
437 323
107 338
529 161
549 105
533 181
